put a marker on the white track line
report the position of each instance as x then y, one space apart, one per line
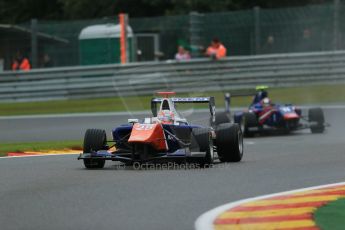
205 221
43 155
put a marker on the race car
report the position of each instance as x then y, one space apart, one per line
166 136
263 115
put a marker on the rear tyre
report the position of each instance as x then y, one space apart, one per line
202 142
94 140
248 121
316 117
229 142
221 118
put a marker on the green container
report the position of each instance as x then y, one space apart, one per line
100 44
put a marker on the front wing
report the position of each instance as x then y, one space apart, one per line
180 154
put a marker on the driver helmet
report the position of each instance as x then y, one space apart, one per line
262 90
266 101
166 116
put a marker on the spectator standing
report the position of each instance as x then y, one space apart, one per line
21 63
270 45
216 50
182 54
46 61
307 43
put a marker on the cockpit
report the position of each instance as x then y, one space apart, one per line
167 113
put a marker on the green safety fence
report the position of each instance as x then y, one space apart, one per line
245 32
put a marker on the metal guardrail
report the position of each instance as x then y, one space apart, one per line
280 70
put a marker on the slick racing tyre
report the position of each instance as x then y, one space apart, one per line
229 142
248 121
221 118
202 142
317 120
94 140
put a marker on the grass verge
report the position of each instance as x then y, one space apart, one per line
38 146
297 95
331 216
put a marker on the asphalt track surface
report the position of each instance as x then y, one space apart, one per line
59 128
56 192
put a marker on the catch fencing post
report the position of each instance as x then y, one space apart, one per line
257 32
336 6
123 18
34 43
195 30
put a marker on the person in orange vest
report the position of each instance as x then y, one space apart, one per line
21 63
216 50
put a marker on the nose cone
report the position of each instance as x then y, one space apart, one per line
152 134
289 116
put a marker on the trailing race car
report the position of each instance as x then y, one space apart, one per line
166 136
263 115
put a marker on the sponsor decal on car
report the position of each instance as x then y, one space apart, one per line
142 127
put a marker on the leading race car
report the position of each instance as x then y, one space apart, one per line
166 136
263 115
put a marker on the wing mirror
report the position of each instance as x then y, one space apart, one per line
133 121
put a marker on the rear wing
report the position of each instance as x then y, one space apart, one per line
246 93
228 96
209 100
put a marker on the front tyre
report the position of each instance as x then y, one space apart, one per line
317 120
229 142
94 140
248 121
